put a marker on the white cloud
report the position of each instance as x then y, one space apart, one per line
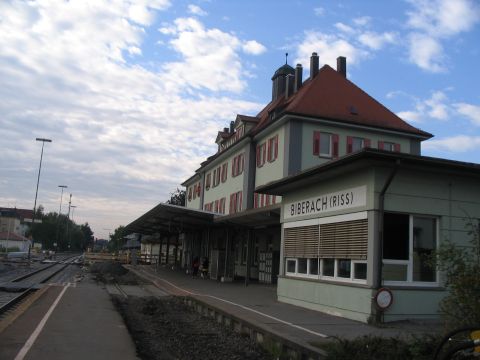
433 21
319 11
253 47
470 111
410 116
362 21
328 48
344 28
436 107
454 144
442 18
124 136
196 10
376 41
426 52
210 57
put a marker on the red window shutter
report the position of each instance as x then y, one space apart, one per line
335 145
239 200
275 155
208 181
264 153
349 144
269 150
255 200
380 145
218 174
367 143
267 200
190 194
231 204
242 163
234 161
396 147
316 143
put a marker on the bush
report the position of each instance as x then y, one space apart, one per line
374 347
461 266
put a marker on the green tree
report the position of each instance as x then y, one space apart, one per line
116 240
177 198
461 266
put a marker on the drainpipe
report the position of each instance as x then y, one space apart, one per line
381 210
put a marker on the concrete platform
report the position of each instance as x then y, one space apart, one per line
84 325
256 305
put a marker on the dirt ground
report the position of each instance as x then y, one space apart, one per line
165 328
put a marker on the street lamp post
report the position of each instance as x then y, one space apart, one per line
43 140
68 221
59 213
73 210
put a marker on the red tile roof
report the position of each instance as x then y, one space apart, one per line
331 96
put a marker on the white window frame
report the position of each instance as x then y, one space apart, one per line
409 262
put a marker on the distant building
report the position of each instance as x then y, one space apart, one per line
324 192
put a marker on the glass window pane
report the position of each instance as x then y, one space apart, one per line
291 266
357 144
313 270
328 267
344 268
424 243
395 272
302 266
360 271
389 146
325 144
395 236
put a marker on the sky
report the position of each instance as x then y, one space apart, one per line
132 93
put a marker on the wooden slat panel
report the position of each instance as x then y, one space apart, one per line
346 239
301 242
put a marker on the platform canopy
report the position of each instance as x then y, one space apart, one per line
252 218
171 219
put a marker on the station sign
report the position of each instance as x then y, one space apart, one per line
325 203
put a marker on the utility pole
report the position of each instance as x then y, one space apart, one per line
36 193
68 221
59 214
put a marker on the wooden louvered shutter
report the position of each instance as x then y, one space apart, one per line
396 147
335 145
349 144
275 154
347 240
381 145
316 143
301 242
367 143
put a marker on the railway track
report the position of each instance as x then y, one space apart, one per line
13 292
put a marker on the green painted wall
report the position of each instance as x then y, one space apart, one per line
232 185
274 170
335 299
449 197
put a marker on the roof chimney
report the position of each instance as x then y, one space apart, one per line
313 65
298 78
225 130
232 126
289 85
342 65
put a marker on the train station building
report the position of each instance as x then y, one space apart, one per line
325 194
